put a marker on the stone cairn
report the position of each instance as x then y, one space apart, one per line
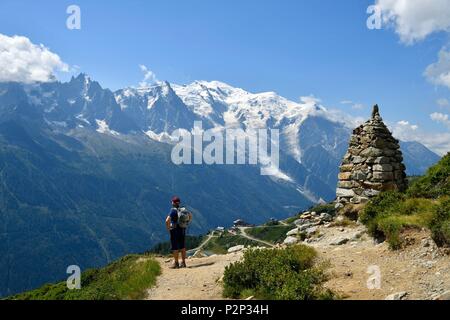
373 163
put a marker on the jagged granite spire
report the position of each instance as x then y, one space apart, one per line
372 164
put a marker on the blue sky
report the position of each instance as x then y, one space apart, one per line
296 48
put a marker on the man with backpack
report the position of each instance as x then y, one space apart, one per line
176 223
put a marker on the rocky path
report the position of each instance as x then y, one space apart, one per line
420 271
197 282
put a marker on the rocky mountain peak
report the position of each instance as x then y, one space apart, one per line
82 78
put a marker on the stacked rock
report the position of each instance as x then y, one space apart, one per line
373 163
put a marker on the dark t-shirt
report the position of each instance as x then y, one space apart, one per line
173 218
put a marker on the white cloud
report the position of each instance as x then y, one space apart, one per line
414 20
349 121
310 100
332 114
149 76
440 118
437 142
23 61
443 103
358 106
439 72
354 105
406 124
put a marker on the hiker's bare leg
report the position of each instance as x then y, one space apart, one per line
183 255
175 256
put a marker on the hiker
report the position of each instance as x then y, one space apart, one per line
176 223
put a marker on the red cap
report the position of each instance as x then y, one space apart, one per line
176 200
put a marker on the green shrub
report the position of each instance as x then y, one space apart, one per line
388 214
277 274
440 223
436 182
376 209
425 204
380 205
391 227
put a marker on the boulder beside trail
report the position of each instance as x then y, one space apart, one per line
293 232
236 249
291 240
339 241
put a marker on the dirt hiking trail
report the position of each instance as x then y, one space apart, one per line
199 281
420 271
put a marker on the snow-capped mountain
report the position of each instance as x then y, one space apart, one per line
81 102
312 138
163 108
157 108
223 106
233 106
237 107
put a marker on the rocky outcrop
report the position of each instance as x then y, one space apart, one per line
373 163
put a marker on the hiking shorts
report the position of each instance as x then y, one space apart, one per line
178 238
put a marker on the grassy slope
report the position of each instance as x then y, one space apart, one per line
127 278
272 234
426 203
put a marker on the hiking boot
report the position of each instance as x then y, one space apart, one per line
183 265
174 265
